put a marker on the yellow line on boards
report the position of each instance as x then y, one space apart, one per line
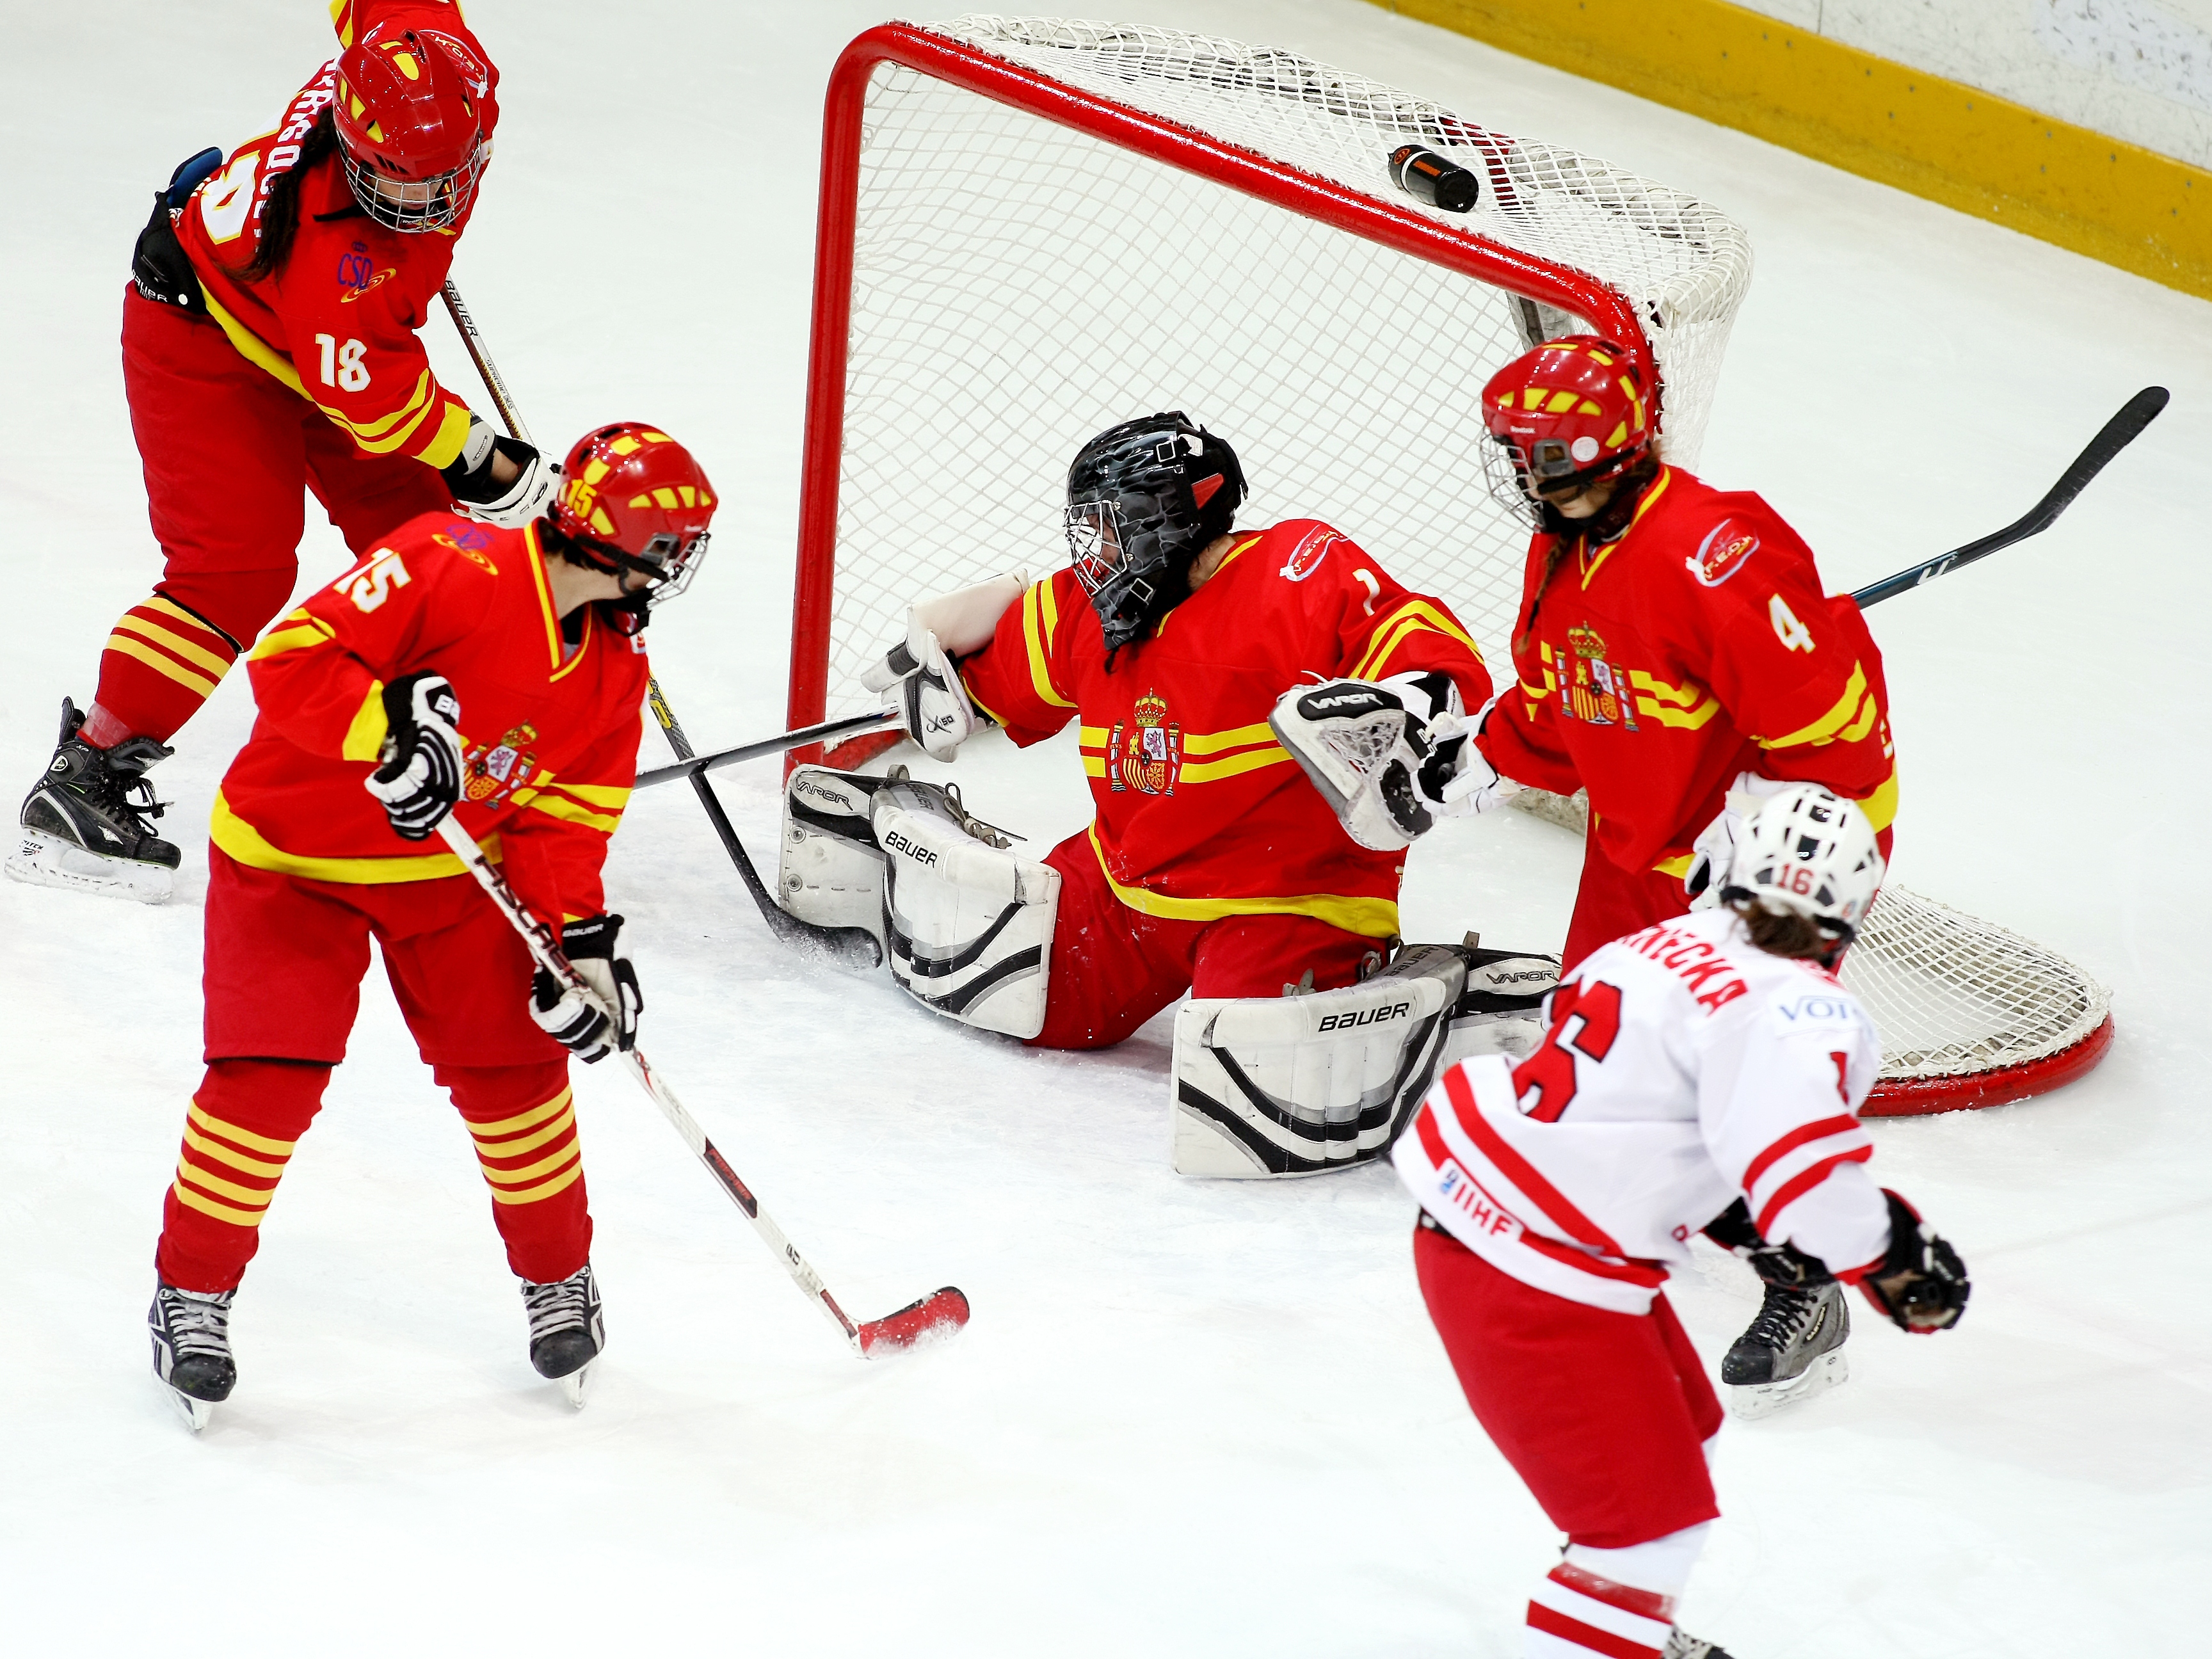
1968 149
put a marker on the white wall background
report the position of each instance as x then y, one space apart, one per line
2138 70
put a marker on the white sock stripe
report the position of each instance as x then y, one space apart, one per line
1615 1622
1543 1644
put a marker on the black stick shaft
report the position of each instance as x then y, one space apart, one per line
487 370
692 765
2138 412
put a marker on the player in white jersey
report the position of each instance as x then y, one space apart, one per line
1707 1060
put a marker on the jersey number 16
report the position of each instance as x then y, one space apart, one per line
1549 1074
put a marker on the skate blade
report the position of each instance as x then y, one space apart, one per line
1760 1400
196 1413
46 860
575 1385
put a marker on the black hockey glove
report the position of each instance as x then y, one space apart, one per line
419 779
1782 1265
1921 1286
575 1022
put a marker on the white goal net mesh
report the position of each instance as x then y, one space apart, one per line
1019 285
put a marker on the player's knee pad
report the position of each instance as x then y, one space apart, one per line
1298 1084
830 871
968 923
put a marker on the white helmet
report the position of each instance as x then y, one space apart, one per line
1808 850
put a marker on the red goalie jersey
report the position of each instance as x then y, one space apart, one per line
1200 812
549 725
338 323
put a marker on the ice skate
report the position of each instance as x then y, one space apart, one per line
1793 1350
1680 1645
192 1350
84 825
566 1331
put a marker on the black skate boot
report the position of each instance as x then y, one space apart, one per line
1680 1645
191 1349
84 826
566 1331
1793 1350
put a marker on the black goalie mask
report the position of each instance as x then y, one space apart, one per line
1144 499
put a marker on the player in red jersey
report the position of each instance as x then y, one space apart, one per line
494 672
1212 864
269 346
1674 647
1677 656
1710 1060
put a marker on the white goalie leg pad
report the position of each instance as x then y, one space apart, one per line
831 872
968 923
1501 1012
1294 1085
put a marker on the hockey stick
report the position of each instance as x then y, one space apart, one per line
847 947
944 1309
2138 412
776 745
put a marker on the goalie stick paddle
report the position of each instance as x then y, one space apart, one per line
2138 412
846 947
945 1310
844 727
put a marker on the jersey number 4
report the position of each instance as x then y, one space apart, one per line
1549 1074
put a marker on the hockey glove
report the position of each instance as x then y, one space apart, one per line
1714 850
919 670
1384 756
419 776
1784 1266
590 1027
1922 1284
510 506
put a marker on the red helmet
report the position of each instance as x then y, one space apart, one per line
410 117
633 499
1572 411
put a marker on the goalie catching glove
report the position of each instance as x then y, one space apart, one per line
919 670
512 505
1390 757
591 1027
418 777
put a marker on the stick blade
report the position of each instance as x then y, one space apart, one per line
938 1314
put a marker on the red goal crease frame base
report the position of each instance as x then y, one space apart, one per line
1923 1097
1558 286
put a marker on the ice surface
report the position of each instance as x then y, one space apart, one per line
1189 1418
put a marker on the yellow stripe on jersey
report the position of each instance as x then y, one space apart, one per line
984 708
1416 616
252 347
1825 729
242 842
1235 765
364 734
1212 742
556 806
301 630
1040 623
1689 707
1371 918
1881 807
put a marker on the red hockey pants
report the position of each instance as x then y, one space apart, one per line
285 958
1613 903
1113 968
228 452
1603 1415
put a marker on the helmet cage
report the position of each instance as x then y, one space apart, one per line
669 559
410 205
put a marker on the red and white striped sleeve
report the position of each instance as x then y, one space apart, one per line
1779 1088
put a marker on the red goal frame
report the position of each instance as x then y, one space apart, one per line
1561 287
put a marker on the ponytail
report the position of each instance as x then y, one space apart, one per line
280 213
